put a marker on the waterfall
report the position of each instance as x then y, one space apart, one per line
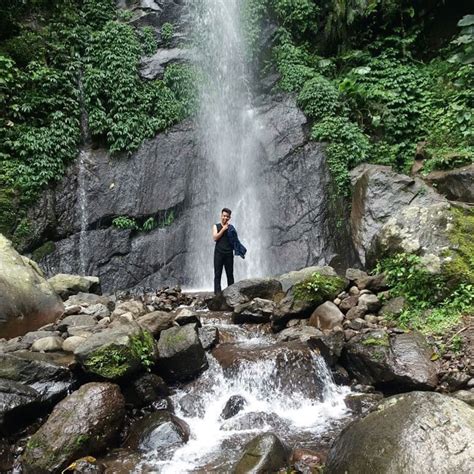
227 135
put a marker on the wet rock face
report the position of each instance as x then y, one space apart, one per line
83 423
246 290
156 432
145 389
235 404
181 355
402 361
27 300
265 453
411 433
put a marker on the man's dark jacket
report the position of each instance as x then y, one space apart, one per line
235 243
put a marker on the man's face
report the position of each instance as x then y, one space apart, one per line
225 217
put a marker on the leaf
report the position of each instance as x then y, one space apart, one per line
466 20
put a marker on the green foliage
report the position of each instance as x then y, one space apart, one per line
318 288
149 224
299 16
465 41
433 305
142 346
148 39
45 249
253 12
347 147
168 219
319 98
167 31
124 222
182 81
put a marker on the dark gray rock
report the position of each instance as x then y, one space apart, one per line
258 310
370 303
265 453
18 403
233 406
76 320
402 362
156 321
157 432
456 185
187 316
412 433
245 290
181 355
393 307
84 423
378 194
90 299
145 389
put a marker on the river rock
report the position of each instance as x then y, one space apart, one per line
257 311
97 310
378 194
66 285
349 302
301 333
209 336
456 184
288 280
85 422
326 316
154 66
417 432
76 320
70 344
157 432
51 380
285 366
120 461
145 389
393 307
47 344
187 316
245 290
89 299
370 303
27 300
401 362
136 308
18 403
181 355
235 404
265 453
117 352
466 396
156 321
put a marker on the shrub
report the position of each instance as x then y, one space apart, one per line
318 288
318 98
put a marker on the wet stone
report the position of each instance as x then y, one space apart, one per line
235 404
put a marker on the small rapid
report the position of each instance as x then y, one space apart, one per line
287 390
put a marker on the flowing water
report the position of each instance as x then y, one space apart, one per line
276 401
227 134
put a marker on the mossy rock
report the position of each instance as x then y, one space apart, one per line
46 249
117 352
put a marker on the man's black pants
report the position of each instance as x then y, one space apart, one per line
222 260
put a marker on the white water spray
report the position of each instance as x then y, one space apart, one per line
228 141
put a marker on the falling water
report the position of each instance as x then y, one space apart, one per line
81 204
228 131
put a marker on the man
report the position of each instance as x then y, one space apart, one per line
227 242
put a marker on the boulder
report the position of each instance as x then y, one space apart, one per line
18 403
416 432
265 453
51 380
466 396
290 279
369 303
393 307
301 333
326 316
348 303
209 336
156 321
258 310
76 320
66 285
70 344
157 432
145 389
25 342
235 404
456 185
187 316
117 352
181 355
401 362
136 308
89 299
27 300
245 290
85 422
47 344
379 194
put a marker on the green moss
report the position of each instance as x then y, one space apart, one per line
81 440
41 252
110 362
142 346
460 268
319 288
372 341
7 210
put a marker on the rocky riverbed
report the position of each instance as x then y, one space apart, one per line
251 381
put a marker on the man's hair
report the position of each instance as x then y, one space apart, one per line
226 209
